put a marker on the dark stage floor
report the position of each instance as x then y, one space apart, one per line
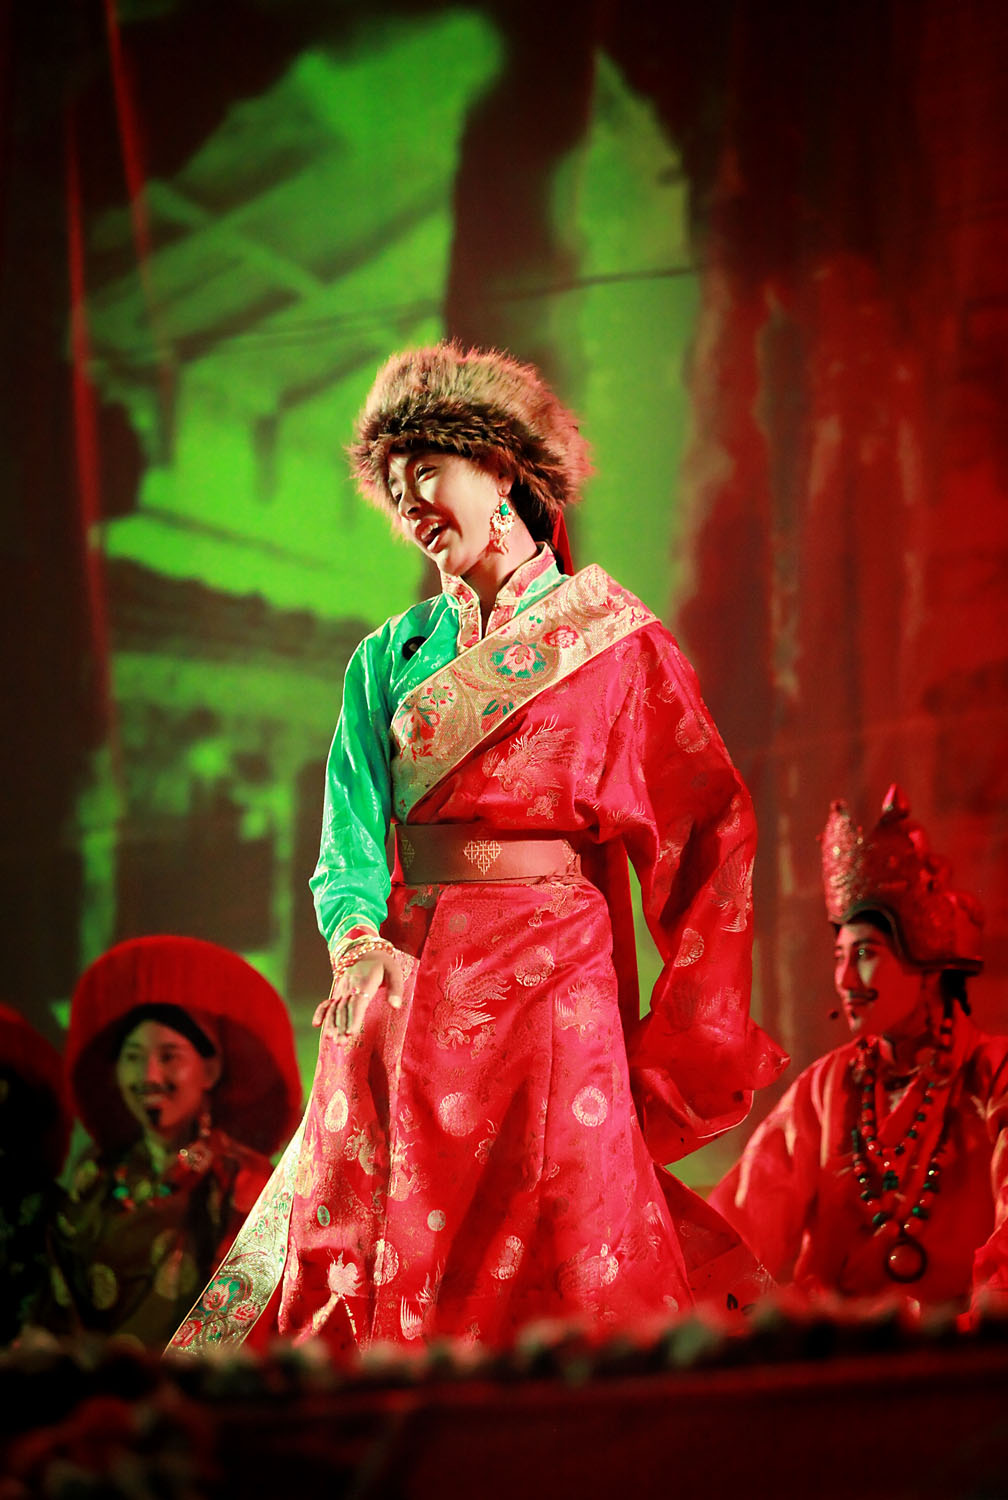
793 1407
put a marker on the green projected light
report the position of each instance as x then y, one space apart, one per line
635 319
305 240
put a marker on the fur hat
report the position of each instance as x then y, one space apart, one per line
481 404
892 869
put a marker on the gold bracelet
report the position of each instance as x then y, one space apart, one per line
360 948
361 928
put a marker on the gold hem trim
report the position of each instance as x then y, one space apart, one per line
237 1294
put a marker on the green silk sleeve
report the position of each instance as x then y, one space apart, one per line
351 882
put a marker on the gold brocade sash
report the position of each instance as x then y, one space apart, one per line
449 714
241 1287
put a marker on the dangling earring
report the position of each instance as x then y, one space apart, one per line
501 523
939 1010
199 1153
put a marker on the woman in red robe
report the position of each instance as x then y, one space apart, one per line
883 1171
482 1143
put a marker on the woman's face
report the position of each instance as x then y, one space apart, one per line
164 1080
881 993
444 503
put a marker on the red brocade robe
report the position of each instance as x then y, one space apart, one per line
794 1198
487 1155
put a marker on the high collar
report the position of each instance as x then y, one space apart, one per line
526 583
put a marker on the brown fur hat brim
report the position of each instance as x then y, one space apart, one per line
481 404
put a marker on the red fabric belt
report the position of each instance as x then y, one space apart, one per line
443 853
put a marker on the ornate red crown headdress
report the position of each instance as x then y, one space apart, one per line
892 869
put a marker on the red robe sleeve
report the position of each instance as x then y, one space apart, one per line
990 1263
769 1194
672 795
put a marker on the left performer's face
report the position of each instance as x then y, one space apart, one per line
882 994
164 1080
444 503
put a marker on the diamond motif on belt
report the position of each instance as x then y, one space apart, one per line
482 853
407 853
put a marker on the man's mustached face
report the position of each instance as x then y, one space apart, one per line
164 1080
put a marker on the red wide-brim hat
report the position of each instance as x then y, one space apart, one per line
258 1097
25 1053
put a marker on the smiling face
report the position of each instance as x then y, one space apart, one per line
882 994
164 1080
444 503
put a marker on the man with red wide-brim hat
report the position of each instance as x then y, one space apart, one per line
181 1065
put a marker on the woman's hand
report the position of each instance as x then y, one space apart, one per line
353 990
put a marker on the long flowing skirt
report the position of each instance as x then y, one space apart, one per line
473 1161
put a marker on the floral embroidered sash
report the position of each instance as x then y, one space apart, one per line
247 1277
442 719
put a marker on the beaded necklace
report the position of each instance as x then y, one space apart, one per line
187 1161
877 1168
